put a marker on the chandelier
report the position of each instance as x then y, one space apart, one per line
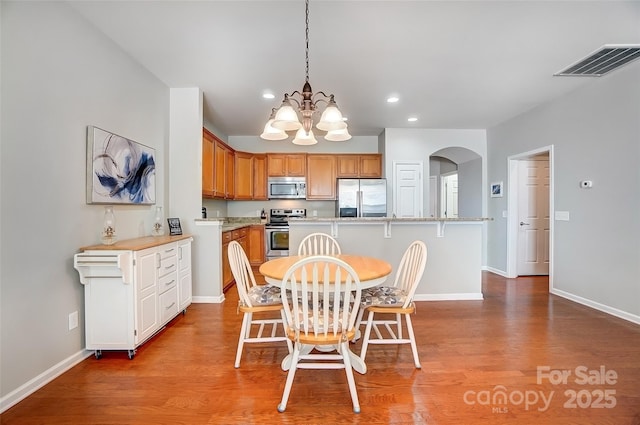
285 119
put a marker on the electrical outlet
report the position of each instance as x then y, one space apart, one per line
73 320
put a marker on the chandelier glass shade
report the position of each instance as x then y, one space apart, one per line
272 133
296 113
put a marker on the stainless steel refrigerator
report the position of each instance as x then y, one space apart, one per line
361 198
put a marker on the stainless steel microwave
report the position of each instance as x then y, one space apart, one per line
287 187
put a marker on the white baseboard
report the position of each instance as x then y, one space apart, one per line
448 297
25 390
496 271
597 306
208 300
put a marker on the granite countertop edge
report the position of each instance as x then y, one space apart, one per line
390 219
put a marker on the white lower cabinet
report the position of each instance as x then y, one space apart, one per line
132 289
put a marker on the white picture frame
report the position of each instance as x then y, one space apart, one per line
496 189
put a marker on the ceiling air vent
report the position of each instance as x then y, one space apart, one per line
602 61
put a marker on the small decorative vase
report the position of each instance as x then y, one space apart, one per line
109 227
158 229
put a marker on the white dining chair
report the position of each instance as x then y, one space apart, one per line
395 301
320 313
255 299
319 244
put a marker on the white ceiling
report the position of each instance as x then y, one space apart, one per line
453 64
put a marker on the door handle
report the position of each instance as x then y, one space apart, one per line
522 223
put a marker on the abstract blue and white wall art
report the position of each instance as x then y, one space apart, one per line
119 170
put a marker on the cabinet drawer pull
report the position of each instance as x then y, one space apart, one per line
170 305
169 250
169 283
169 267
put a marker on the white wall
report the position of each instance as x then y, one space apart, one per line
420 144
60 75
470 188
254 144
596 253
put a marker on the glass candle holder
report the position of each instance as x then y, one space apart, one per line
158 228
109 226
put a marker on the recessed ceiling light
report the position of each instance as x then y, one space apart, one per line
392 99
412 119
268 95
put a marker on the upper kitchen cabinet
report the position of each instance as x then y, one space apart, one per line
208 143
217 167
321 177
244 175
229 183
286 165
260 177
250 176
359 165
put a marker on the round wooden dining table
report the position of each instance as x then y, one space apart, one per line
370 270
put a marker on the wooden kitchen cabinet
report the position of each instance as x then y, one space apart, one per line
227 275
250 176
244 176
256 245
371 165
321 177
359 165
286 165
260 177
217 167
240 235
208 143
230 178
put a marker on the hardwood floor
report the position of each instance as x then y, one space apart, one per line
480 364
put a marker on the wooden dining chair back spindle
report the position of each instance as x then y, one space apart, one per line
319 244
395 301
321 299
255 299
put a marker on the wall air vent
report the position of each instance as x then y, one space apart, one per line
602 61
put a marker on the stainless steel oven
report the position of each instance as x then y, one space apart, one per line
277 231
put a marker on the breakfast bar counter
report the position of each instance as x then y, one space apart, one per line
454 246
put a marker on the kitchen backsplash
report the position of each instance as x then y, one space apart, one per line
239 209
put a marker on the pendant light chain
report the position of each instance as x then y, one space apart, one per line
307 40
288 118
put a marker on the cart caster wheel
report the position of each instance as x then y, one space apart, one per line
184 312
98 354
131 353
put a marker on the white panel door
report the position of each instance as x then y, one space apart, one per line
533 217
449 195
407 189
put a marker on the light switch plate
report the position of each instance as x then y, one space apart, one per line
562 215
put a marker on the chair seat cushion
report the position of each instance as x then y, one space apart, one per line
331 325
383 296
265 295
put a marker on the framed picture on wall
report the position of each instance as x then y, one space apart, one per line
119 170
496 189
174 226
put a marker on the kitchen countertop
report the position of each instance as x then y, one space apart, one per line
233 226
231 223
389 219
